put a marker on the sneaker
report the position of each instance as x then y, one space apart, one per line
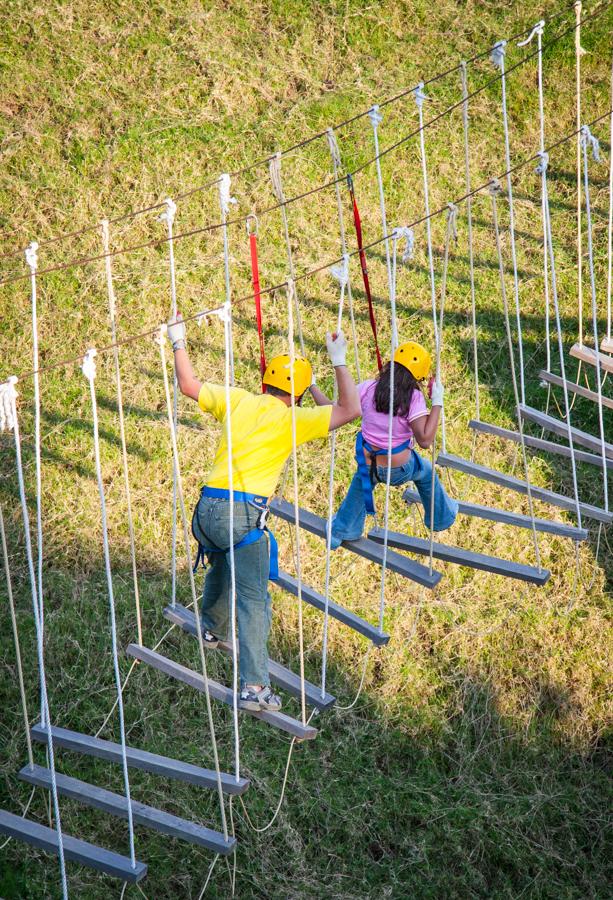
257 701
210 640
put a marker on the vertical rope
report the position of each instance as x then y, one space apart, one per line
336 162
45 717
168 216
471 252
610 241
419 95
498 58
277 189
122 427
225 200
495 190
292 358
588 139
578 54
192 583
376 117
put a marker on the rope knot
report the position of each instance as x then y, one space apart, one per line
225 200
169 213
494 188
543 164
274 168
452 220
498 53
403 232
375 116
419 95
32 256
538 29
335 153
341 271
587 138
8 396
89 366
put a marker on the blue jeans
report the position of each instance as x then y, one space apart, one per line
348 523
253 604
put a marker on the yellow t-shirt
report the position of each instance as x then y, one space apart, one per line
261 436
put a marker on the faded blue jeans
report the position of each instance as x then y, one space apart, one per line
253 604
348 523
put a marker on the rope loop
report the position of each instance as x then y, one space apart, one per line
375 116
494 188
252 225
225 200
452 220
419 95
32 256
403 232
274 168
169 213
88 366
335 153
588 139
543 165
498 53
341 271
538 29
8 395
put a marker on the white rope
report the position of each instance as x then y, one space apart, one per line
376 117
122 426
419 95
610 241
31 254
39 638
168 216
498 59
336 162
579 51
494 191
89 370
292 358
225 201
469 219
588 139
277 189
542 171
192 583
226 317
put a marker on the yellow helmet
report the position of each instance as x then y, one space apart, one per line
278 374
415 358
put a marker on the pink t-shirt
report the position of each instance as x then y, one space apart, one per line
375 424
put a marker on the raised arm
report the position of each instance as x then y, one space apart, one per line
347 407
424 428
187 381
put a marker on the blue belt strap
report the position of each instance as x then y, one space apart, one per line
250 538
364 470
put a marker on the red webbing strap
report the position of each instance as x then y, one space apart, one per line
358 234
255 275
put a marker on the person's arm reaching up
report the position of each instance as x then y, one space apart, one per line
347 406
424 428
187 381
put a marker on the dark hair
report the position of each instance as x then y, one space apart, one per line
279 392
404 385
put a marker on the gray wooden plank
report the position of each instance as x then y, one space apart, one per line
588 355
538 443
518 520
606 345
218 691
311 596
363 547
279 675
550 423
515 484
550 378
117 805
75 850
462 557
140 759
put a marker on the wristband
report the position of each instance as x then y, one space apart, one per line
179 345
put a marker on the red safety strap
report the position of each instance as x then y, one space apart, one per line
358 234
255 275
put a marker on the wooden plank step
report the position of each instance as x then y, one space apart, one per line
462 557
363 547
218 691
550 378
140 759
510 518
515 484
117 805
606 345
311 596
75 850
589 356
279 674
550 423
538 443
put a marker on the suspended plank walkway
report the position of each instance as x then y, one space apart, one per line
589 356
363 546
279 675
515 484
510 518
75 850
538 443
550 378
290 584
219 692
558 427
140 759
462 557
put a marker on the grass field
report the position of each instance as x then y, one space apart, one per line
476 761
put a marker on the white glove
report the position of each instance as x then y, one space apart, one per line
436 394
337 349
176 333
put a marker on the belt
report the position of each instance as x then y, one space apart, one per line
360 445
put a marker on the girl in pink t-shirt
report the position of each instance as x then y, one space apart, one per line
411 423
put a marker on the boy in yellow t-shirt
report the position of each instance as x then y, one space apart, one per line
261 441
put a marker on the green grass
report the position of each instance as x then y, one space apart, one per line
475 763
